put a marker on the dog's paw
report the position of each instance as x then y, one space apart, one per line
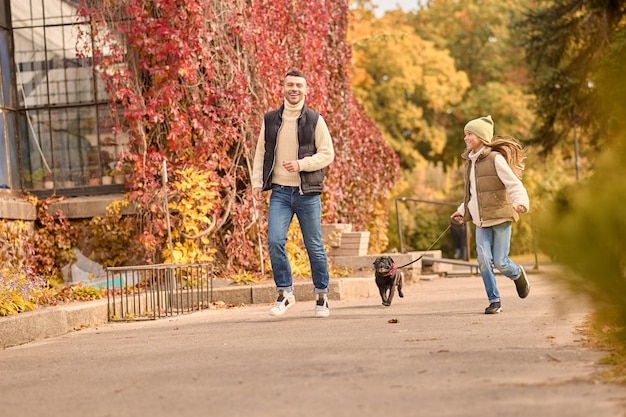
386 304
400 294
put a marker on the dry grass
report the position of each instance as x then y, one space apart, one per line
600 336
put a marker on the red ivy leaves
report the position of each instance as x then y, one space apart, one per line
197 77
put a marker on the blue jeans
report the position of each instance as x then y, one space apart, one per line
492 247
284 203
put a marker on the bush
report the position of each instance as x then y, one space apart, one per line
18 290
19 284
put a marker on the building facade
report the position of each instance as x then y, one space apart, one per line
56 135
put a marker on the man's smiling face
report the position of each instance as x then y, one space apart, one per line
294 89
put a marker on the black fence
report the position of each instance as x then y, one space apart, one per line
149 292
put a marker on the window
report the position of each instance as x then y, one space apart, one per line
62 109
8 168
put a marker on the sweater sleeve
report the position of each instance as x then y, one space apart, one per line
514 186
259 154
325 151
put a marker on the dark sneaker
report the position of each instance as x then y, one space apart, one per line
321 305
494 308
522 284
284 301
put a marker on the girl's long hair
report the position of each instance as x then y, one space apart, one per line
513 152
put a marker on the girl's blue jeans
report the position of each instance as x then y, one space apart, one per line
284 203
492 247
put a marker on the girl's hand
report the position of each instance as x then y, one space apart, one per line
457 217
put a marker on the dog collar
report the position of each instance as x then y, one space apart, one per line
393 270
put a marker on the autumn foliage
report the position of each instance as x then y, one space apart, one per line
189 82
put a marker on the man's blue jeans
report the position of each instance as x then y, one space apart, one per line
284 203
492 247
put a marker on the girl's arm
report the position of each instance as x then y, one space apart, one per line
513 184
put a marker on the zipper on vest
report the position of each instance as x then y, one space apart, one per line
298 151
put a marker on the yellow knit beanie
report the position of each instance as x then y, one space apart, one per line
481 127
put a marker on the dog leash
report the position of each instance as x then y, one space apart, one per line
431 246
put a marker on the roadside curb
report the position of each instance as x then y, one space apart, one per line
54 321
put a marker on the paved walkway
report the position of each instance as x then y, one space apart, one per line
432 353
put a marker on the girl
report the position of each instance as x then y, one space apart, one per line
494 198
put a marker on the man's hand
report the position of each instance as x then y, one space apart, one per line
291 166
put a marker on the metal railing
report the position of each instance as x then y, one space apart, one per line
416 200
154 291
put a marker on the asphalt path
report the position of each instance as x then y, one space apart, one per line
431 353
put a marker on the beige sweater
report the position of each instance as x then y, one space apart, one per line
287 149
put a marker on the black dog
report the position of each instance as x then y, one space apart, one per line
388 277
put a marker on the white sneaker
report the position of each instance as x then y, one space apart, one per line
321 305
284 301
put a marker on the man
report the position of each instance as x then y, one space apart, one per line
293 148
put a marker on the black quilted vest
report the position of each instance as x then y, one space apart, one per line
310 182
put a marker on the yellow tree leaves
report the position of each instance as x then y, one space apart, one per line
406 84
193 203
